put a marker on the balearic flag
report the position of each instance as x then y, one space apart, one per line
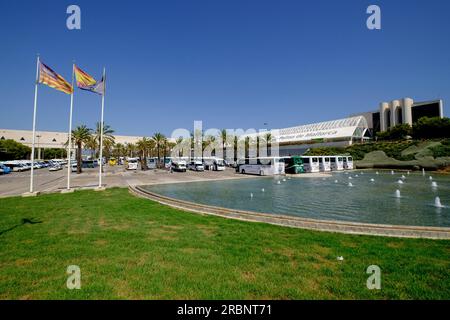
50 78
88 83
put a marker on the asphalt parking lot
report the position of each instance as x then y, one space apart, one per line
17 183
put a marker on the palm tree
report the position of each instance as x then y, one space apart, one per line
108 138
92 145
268 139
159 141
119 150
130 149
143 147
224 136
80 135
210 141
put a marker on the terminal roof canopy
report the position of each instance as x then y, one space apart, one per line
353 127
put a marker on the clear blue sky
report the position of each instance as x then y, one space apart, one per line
230 63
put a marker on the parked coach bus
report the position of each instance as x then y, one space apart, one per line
293 165
348 163
324 163
337 163
264 166
311 163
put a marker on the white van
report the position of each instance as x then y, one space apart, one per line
178 165
348 163
152 163
324 163
132 163
311 163
337 163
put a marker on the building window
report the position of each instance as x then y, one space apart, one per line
54 140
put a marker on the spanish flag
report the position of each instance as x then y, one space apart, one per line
88 83
50 78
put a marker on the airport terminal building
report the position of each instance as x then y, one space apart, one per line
294 140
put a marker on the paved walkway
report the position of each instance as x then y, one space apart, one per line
17 183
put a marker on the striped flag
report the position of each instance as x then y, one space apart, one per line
88 83
50 78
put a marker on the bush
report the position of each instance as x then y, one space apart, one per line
442 150
430 128
12 150
325 151
397 132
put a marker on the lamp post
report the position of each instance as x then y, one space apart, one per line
39 148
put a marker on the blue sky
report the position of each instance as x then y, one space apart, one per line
230 63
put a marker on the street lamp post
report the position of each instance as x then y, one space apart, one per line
39 148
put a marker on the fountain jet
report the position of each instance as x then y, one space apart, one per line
437 202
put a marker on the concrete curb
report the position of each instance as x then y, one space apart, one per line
297 222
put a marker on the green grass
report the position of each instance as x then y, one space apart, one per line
132 248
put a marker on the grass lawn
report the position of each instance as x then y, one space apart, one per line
132 248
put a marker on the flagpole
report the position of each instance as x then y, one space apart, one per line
101 132
69 149
34 125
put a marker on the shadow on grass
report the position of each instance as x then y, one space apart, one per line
23 222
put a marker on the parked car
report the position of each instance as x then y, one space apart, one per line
5 169
196 165
55 167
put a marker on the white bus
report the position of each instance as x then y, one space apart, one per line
311 163
348 163
132 163
213 163
324 163
337 163
264 166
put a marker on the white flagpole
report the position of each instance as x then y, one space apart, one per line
101 131
69 149
34 124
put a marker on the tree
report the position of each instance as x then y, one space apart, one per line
429 128
267 138
224 136
130 149
92 145
80 135
159 142
108 138
398 132
143 146
179 143
12 150
119 150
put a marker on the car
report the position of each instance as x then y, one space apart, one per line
73 167
196 166
5 169
55 167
